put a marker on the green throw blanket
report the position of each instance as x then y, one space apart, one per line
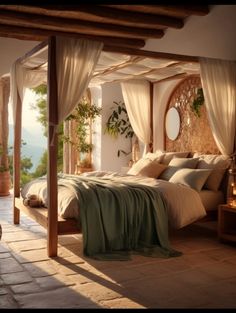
119 218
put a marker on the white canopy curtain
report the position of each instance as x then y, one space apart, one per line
75 59
219 86
4 128
136 94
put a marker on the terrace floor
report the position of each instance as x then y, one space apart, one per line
203 277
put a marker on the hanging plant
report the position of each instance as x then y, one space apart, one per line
118 123
198 102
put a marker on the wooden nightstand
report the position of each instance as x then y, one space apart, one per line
227 222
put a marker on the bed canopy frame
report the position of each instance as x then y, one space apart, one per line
48 217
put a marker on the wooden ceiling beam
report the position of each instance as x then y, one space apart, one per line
168 10
121 16
152 54
25 33
77 26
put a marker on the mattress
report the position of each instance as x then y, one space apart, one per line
211 199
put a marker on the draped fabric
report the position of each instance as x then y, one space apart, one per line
22 77
75 63
4 128
76 60
219 86
136 94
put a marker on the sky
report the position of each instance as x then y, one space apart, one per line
29 116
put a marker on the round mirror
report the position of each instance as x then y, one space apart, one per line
172 123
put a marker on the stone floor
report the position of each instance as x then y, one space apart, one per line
203 277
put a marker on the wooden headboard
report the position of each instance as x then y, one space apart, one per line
195 134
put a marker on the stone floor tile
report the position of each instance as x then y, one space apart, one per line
19 235
40 269
9 265
59 298
27 288
28 245
101 291
54 281
122 303
7 302
17 278
5 255
32 256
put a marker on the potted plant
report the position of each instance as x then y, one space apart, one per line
83 115
5 177
118 123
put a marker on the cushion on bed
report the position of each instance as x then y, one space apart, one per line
153 156
194 178
184 162
218 164
168 172
138 166
153 169
168 156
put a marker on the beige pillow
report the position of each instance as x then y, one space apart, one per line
153 156
184 162
218 164
168 156
168 172
194 178
153 169
138 166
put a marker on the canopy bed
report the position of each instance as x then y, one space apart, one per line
98 66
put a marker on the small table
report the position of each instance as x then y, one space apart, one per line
227 222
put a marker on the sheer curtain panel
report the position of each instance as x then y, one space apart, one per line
219 86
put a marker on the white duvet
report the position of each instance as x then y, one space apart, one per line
184 204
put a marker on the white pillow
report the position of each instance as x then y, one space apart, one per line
168 156
153 156
138 166
153 169
194 178
184 162
218 164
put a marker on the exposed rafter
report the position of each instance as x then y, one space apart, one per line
76 26
25 33
115 22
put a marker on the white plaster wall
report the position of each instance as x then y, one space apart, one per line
212 35
10 50
96 97
109 146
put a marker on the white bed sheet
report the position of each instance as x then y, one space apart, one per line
184 205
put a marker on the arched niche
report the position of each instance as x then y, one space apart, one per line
195 134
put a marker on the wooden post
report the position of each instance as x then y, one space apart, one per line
17 159
151 118
52 232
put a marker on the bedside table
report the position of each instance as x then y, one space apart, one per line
227 222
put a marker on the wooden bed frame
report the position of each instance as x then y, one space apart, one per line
48 217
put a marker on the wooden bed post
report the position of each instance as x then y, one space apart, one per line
17 158
52 233
151 118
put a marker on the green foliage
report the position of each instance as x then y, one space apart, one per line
84 114
198 102
118 122
41 169
41 107
26 165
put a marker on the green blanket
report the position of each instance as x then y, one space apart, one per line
119 218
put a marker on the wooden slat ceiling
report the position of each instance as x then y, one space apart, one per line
117 25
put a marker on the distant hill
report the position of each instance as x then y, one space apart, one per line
36 144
